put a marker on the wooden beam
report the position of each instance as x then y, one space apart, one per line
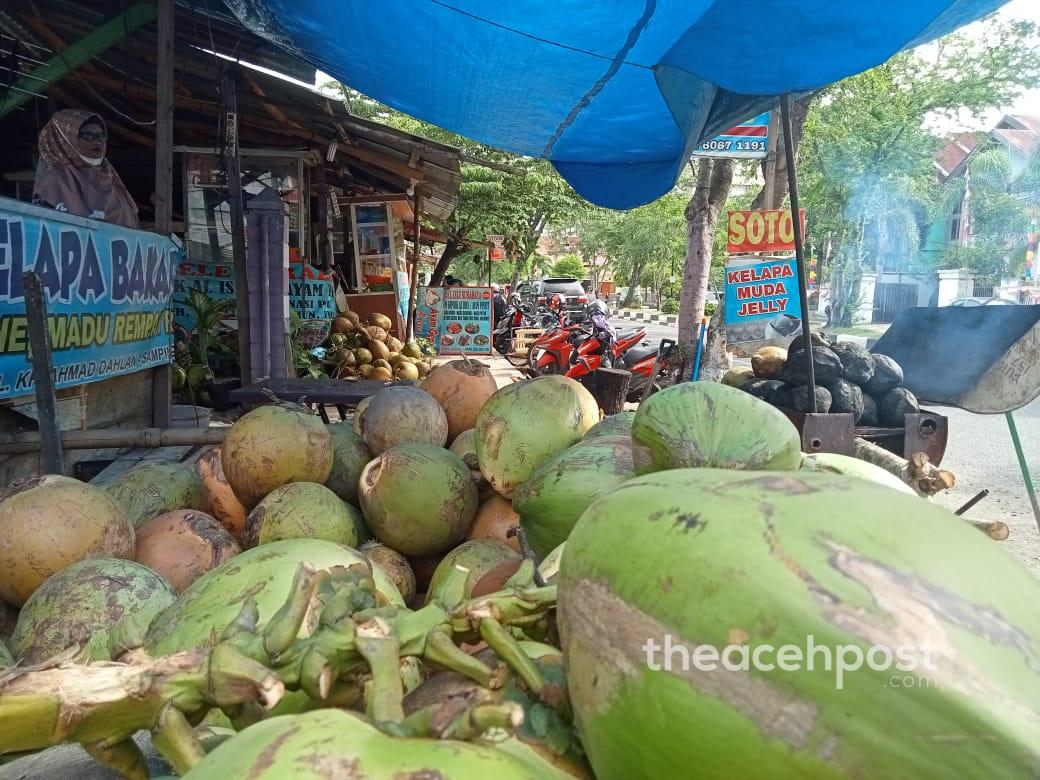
414 175
233 166
67 60
391 197
53 458
164 78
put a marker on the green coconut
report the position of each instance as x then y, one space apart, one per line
619 424
359 412
524 424
349 457
763 560
398 415
480 556
50 522
394 564
8 617
418 499
272 446
6 659
833 463
81 605
465 446
552 499
264 574
707 424
148 491
331 743
302 510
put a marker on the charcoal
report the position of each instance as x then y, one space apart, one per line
847 398
887 375
761 388
817 338
826 367
781 396
895 404
800 399
856 362
870 417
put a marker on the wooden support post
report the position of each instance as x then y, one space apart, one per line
609 386
770 172
414 274
321 187
52 459
233 167
161 375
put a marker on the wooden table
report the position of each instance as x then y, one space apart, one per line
341 393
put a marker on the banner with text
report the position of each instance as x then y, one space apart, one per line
428 305
749 140
466 321
762 231
107 288
762 300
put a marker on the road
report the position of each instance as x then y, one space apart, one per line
980 454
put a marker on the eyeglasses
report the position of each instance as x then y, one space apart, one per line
87 135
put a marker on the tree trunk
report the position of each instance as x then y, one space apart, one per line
451 251
714 178
634 280
799 113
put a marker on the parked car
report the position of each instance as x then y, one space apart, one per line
538 292
983 302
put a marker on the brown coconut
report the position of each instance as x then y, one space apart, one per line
768 362
183 545
400 415
394 564
494 519
461 387
221 501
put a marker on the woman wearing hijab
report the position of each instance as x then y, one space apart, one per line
74 176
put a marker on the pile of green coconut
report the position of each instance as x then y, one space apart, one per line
467 582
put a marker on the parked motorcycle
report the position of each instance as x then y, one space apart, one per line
574 351
642 361
518 315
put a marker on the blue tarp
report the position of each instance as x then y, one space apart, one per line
616 93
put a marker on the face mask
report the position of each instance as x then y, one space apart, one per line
94 162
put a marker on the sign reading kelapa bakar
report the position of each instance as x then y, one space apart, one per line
762 300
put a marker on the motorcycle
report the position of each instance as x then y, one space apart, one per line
641 362
519 316
574 351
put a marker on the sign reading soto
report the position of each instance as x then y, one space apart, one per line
762 231
108 291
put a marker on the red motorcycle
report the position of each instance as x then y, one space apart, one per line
574 351
643 362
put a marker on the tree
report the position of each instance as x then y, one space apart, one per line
569 265
868 181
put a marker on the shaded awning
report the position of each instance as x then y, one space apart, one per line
615 93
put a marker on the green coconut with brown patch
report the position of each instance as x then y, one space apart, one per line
482 557
331 743
524 424
418 498
82 604
302 510
619 424
264 574
555 495
399 415
770 559
394 564
350 455
148 491
48 523
711 425
465 446
272 446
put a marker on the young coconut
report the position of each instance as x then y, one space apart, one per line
832 463
147 491
771 558
51 523
481 557
183 545
524 424
461 387
494 520
265 574
221 501
418 498
394 564
706 424
398 415
465 446
619 424
81 605
272 446
302 510
350 454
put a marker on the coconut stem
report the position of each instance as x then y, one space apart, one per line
442 650
509 650
451 591
457 719
287 621
377 643
124 757
175 739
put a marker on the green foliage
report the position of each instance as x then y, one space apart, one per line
208 313
670 306
569 265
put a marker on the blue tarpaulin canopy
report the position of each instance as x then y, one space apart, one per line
615 93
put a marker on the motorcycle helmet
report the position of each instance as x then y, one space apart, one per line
514 300
555 302
596 307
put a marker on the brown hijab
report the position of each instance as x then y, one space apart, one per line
64 178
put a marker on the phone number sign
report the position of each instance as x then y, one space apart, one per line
749 140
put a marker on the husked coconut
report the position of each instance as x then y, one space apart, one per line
461 387
397 415
183 545
221 501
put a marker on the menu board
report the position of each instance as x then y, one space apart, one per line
465 323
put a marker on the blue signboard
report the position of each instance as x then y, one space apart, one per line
107 288
428 304
466 321
762 300
748 141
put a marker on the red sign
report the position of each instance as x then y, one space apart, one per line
497 253
762 231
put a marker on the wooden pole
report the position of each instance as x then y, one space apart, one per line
233 167
105 438
53 459
770 172
412 292
799 249
161 375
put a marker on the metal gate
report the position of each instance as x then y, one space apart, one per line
891 299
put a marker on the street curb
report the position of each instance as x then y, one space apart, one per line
644 316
